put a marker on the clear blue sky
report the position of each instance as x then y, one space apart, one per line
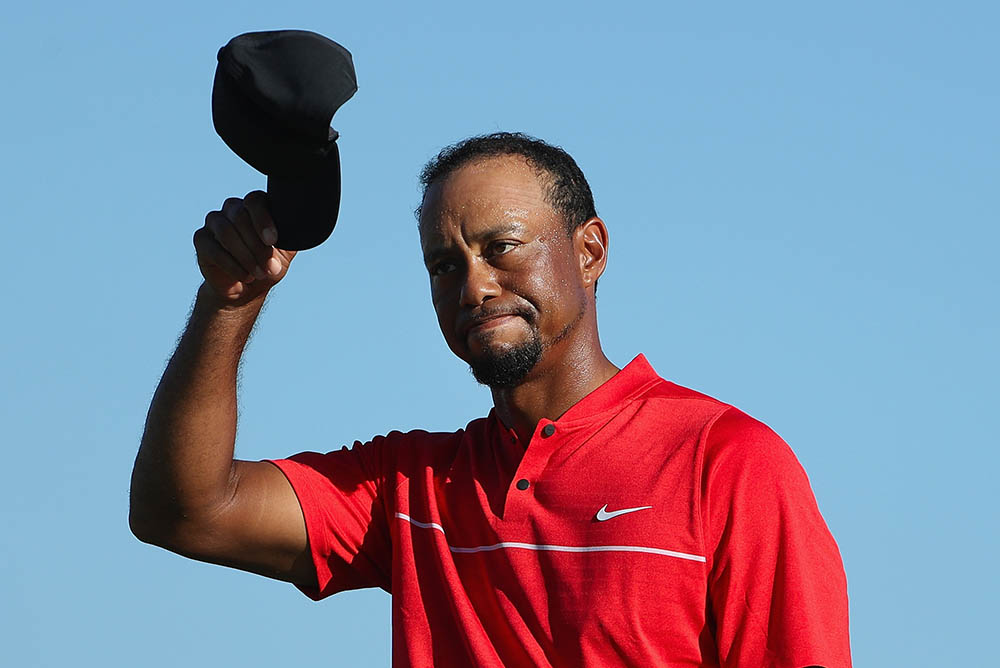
803 210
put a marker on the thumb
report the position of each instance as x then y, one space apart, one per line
278 263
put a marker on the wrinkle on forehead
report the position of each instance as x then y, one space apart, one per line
498 188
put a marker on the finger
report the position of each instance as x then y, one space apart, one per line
224 231
211 254
241 213
285 256
232 206
278 264
244 226
259 207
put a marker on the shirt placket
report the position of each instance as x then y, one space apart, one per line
520 497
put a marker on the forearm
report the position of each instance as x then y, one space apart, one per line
185 463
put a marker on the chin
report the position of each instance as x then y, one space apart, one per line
506 365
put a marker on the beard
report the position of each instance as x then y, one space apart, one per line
508 366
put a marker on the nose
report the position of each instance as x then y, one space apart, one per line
480 283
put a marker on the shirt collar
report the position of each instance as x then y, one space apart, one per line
630 382
634 379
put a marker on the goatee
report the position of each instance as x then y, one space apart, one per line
507 367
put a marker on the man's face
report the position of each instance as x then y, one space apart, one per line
505 280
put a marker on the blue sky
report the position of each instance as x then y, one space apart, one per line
802 205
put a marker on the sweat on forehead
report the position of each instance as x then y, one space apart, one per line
500 188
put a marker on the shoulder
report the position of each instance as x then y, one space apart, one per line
670 391
730 442
428 442
746 445
705 422
387 452
726 430
401 450
752 483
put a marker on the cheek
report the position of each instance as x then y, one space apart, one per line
441 309
551 286
445 311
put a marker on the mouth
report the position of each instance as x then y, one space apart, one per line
487 324
483 323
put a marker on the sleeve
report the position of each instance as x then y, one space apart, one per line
777 588
341 495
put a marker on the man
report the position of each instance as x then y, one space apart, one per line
597 517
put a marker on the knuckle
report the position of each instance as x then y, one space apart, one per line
199 236
255 196
223 232
257 205
213 223
233 208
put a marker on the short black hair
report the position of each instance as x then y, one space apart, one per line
566 188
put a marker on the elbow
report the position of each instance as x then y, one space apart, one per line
152 519
140 529
144 510
164 531
144 527
169 527
161 515
153 513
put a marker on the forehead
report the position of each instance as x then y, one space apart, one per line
486 191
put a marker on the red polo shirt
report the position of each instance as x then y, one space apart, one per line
650 525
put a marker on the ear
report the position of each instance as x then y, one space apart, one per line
590 240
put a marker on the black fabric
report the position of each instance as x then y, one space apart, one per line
273 100
313 195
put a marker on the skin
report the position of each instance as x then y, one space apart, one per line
188 494
501 267
499 256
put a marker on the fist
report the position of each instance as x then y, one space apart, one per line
236 252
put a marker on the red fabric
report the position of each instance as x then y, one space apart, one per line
731 566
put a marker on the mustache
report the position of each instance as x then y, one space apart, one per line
480 316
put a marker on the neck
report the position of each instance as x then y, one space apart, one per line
554 385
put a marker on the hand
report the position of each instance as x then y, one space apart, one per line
236 252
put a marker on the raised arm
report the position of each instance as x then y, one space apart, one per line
188 493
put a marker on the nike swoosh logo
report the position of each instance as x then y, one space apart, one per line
603 514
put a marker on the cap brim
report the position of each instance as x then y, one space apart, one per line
305 205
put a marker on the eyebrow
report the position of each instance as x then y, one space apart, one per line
498 230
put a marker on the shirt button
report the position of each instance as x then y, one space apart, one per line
548 430
523 484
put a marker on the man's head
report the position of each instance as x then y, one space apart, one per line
514 250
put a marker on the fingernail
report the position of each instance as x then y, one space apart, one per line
273 267
269 236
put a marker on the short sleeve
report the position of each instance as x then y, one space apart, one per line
340 493
777 588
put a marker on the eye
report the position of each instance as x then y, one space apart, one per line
441 268
500 248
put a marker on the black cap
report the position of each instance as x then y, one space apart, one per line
273 100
